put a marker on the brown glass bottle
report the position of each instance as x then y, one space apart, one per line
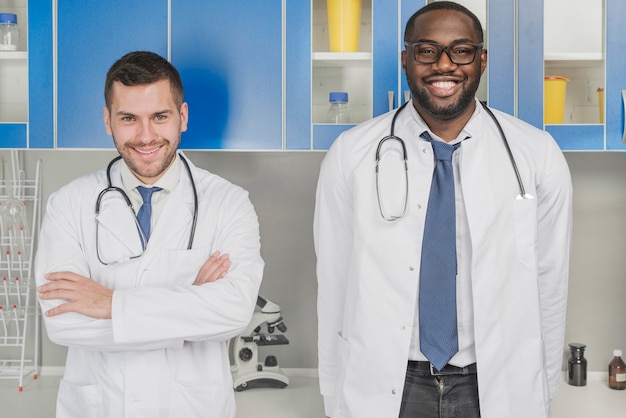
617 371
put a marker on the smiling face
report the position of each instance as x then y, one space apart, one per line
444 91
146 126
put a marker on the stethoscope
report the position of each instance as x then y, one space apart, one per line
391 136
111 188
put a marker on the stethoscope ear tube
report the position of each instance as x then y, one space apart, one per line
110 188
520 183
392 136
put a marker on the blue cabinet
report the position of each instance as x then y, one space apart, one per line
258 74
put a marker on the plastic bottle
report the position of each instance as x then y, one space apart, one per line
9 35
577 365
617 371
339 111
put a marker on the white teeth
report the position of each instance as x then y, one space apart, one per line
444 84
146 152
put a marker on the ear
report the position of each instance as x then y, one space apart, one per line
184 116
483 61
107 120
403 59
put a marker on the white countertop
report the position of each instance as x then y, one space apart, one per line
302 399
596 400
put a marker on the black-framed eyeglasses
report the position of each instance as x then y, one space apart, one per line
461 53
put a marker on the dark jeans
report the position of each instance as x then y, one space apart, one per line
427 396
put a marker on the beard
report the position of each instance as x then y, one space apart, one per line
151 171
450 111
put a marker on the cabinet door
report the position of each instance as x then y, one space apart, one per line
91 36
40 76
229 55
615 91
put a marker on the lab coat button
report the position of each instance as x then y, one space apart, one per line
393 391
411 268
419 206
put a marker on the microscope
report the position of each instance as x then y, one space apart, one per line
247 371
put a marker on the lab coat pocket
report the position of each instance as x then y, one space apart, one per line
79 401
525 217
203 401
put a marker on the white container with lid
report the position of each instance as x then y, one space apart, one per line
9 34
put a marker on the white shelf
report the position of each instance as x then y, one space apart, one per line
570 56
334 59
13 55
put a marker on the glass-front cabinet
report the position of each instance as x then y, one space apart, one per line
358 56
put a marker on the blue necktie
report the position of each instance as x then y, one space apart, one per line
145 211
437 297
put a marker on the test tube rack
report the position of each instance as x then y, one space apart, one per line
20 214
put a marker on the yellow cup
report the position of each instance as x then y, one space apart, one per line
344 23
554 88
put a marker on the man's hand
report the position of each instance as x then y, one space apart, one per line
213 269
82 295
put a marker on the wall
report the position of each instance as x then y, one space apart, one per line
282 188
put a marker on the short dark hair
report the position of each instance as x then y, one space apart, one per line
140 68
443 5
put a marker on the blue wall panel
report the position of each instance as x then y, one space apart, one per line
615 73
298 76
501 56
386 54
530 62
12 135
578 137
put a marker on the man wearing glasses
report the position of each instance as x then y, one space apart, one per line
449 300
146 304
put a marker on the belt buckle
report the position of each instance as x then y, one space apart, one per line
432 370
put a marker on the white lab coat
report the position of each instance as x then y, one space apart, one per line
164 352
368 269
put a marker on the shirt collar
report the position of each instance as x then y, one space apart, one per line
467 132
167 182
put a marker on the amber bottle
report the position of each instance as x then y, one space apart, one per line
617 371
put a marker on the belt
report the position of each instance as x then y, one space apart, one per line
448 370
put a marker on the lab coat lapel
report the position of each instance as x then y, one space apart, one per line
475 179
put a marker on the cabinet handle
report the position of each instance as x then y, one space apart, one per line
390 99
624 106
